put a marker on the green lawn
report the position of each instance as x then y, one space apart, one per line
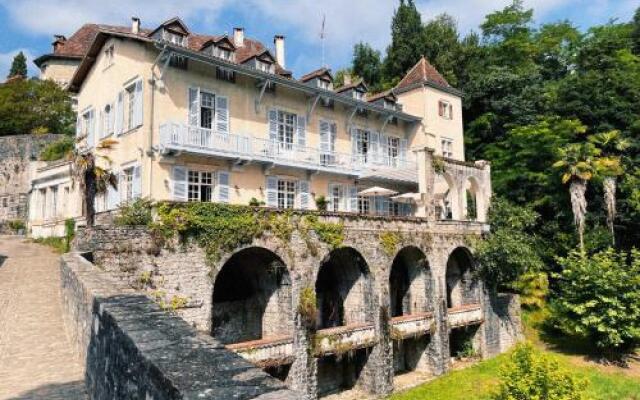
481 380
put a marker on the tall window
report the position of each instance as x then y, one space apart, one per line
286 129
362 144
126 184
207 109
363 205
54 201
43 203
87 123
200 185
336 197
108 56
393 152
446 147
130 95
445 109
286 193
107 120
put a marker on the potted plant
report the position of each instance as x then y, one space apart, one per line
321 203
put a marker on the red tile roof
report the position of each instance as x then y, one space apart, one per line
358 83
78 44
377 96
317 73
422 72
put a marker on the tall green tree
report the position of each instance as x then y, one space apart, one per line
18 66
442 46
32 105
406 46
367 64
635 35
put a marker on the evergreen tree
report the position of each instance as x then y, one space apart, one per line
367 64
635 35
406 46
18 66
442 46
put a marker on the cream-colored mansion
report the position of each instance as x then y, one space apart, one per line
219 118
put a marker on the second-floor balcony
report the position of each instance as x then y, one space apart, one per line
244 148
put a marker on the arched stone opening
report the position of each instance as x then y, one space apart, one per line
409 282
461 286
343 289
252 298
409 292
473 200
446 197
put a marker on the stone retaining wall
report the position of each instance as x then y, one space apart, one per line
132 349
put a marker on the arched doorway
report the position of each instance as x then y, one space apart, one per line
472 200
410 294
461 285
463 296
344 297
252 297
343 289
446 197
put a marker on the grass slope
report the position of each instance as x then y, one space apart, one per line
481 380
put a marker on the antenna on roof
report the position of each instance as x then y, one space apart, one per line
322 36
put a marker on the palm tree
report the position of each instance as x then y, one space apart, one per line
578 161
92 178
611 144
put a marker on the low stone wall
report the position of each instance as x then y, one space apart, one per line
132 349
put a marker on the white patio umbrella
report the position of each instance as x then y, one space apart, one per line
408 198
376 191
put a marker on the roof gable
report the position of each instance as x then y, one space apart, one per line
174 24
322 73
422 72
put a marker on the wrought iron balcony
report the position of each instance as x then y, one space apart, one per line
180 137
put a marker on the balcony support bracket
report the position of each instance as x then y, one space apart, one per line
387 119
263 87
312 106
353 113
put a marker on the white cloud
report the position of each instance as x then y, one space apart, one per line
64 16
7 58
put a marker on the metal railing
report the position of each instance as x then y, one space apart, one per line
179 136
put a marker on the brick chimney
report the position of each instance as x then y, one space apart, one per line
238 37
278 40
135 25
58 41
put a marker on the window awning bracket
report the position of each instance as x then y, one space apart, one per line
312 106
350 119
387 119
263 87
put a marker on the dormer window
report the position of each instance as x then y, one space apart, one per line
263 66
322 84
174 38
358 95
389 105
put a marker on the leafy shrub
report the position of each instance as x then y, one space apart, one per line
16 225
58 244
599 300
69 232
307 307
253 202
329 232
530 375
135 213
321 203
58 149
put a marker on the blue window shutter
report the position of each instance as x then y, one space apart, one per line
78 126
179 177
374 138
272 191
138 103
112 195
91 129
222 114
273 125
304 194
223 186
119 114
137 182
353 199
325 137
301 131
194 107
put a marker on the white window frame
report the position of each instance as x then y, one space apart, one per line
108 114
205 94
125 184
445 109
363 142
364 205
446 147
393 150
323 84
263 66
286 193
358 95
283 129
130 101
197 181
86 120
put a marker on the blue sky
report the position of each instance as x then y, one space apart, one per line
29 25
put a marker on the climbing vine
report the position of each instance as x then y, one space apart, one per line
389 242
329 232
307 307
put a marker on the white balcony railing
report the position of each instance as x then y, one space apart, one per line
411 326
343 339
176 136
265 352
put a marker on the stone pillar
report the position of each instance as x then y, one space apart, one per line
485 190
303 375
441 362
426 182
377 374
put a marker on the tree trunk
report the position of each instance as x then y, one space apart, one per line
90 194
577 190
609 186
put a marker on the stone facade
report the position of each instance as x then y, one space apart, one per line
362 309
18 156
131 349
